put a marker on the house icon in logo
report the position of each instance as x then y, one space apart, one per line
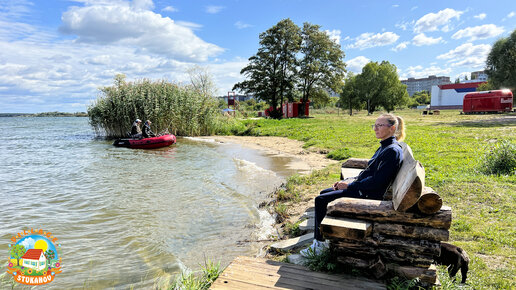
35 259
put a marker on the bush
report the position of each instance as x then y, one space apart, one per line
339 154
179 109
500 159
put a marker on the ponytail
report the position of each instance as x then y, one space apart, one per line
399 123
400 129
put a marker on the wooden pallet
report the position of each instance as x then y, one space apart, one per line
256 273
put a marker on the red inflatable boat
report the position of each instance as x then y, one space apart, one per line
146 143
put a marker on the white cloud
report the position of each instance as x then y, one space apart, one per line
334 35
511 15
480 16
478 32
141 29
28 243
170 9
213 9
421 72
242 25
421 39
432 21
400 46
466 50
356 64
368 40
143 4
467 55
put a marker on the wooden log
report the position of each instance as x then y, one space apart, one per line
426 275
388 255
409 182
411 231
355 163
430 202
345 228
355 263
378 268
408 246
383 211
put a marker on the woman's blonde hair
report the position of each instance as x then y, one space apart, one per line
398 122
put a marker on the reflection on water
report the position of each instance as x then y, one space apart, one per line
128 217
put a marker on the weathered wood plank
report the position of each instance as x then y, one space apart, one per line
286 245
411 231
427 275
409 182
349 172
383 211
332 227
355 163
430 202
411 246
388 255
256 273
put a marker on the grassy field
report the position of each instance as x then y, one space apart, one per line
450 146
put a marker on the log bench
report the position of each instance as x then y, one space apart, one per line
399 235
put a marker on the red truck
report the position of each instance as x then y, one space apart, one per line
487 102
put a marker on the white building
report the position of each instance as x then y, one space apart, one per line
34 259
451 96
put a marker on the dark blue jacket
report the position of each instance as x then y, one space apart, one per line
380 172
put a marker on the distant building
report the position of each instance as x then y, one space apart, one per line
424 84
450 96
479 76
238 98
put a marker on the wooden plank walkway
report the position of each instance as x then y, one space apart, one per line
256 273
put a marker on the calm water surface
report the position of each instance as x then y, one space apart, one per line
128 217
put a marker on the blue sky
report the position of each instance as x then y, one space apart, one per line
55 54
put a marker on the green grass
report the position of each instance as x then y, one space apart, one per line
451 147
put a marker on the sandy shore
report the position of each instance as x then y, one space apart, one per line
303 161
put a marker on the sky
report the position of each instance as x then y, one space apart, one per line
56 54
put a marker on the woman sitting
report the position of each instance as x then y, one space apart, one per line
372 182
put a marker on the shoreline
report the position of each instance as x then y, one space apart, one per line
302 161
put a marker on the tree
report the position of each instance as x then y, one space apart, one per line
487 86
271 72
202 81
17 251
379 86
501 63
49 254
321 66
350 97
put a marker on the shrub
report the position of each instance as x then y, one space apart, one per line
179 109
339 154
500 159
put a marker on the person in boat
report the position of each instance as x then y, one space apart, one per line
147 132
136 131
372 182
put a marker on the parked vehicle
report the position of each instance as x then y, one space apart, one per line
496 101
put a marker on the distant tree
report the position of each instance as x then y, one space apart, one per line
271 72
202 81
321 66
457 80
422 97
501 63
350 97
49 254
379 86
487 86
17 252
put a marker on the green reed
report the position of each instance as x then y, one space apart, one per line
176 108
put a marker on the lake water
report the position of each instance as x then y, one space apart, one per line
126 217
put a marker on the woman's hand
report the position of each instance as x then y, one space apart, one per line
340 185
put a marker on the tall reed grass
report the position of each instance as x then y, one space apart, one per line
176 108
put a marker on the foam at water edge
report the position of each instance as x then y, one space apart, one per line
251 167
208 140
